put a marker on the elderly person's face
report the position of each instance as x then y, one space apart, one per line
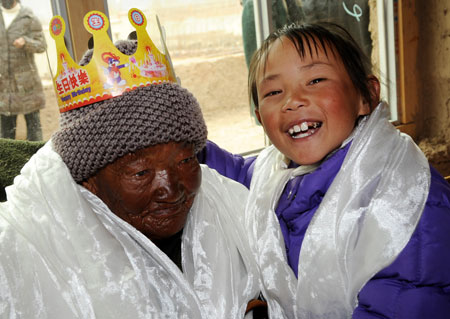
152 189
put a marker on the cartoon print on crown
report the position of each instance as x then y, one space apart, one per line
113 70
110 72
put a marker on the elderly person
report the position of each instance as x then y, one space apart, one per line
115 218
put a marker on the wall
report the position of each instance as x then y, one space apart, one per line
433 72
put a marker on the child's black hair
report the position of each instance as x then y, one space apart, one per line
308 38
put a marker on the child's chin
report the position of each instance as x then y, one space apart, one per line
307 160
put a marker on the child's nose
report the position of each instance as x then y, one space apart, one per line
294 101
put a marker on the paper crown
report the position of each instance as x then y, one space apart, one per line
110 72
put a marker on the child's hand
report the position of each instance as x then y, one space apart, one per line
19 43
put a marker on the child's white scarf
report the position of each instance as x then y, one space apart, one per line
364 221
64 254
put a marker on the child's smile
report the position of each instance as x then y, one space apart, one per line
307 105
305 129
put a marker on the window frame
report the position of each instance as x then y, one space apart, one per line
408 88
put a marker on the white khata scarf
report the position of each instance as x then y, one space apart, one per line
364 221
64 254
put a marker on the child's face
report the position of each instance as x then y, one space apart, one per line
307 106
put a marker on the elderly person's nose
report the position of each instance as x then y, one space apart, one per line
167 185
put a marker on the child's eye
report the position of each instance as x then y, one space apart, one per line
272 93
315 81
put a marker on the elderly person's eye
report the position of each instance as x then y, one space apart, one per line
188 160
142 173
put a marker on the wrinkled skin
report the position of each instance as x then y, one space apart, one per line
152 189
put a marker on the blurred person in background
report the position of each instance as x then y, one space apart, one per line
21 89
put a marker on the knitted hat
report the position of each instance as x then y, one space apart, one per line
96 135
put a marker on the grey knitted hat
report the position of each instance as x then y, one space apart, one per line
98 134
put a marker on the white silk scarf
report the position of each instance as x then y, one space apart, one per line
64 254
364 221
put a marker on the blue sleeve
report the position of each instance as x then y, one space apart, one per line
417 284
236 167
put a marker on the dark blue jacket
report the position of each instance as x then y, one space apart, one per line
415 285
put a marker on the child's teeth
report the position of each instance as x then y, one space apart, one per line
304 126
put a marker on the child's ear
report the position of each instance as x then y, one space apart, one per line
374 86
258 116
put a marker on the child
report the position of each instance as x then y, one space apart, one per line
345 215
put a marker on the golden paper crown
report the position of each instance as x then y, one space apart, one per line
110 72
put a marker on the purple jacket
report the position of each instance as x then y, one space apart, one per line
415 285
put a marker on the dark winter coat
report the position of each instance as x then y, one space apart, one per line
21 89
415 286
